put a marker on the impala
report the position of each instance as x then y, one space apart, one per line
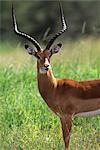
66 98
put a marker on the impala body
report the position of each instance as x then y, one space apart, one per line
65 97
68 96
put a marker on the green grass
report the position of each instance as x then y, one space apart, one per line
26 123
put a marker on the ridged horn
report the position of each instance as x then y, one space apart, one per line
64 28
16 30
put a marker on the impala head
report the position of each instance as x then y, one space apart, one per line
42 56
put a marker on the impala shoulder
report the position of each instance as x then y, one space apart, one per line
69 83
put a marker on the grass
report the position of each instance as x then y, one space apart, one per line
26 123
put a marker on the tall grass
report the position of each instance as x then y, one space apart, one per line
26 123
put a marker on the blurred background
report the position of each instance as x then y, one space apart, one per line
42 18
26 123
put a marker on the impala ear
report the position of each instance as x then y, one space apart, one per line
30 50
56 48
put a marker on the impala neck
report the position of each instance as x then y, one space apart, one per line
46 83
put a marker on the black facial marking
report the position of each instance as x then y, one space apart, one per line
30 51
60 45
26 46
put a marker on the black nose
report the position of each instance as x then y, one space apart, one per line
45 65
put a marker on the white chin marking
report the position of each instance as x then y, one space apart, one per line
90 113
42 71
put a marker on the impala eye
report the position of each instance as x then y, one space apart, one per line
39 57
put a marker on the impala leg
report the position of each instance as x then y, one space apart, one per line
66 123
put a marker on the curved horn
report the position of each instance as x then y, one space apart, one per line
34 42
64 28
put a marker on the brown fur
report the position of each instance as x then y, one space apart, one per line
68 97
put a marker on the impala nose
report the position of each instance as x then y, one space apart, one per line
46 65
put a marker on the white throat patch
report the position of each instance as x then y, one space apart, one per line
42 70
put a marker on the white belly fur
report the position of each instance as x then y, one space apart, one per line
90 113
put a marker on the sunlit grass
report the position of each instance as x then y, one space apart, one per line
26 123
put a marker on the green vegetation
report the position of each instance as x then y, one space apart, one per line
26 123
